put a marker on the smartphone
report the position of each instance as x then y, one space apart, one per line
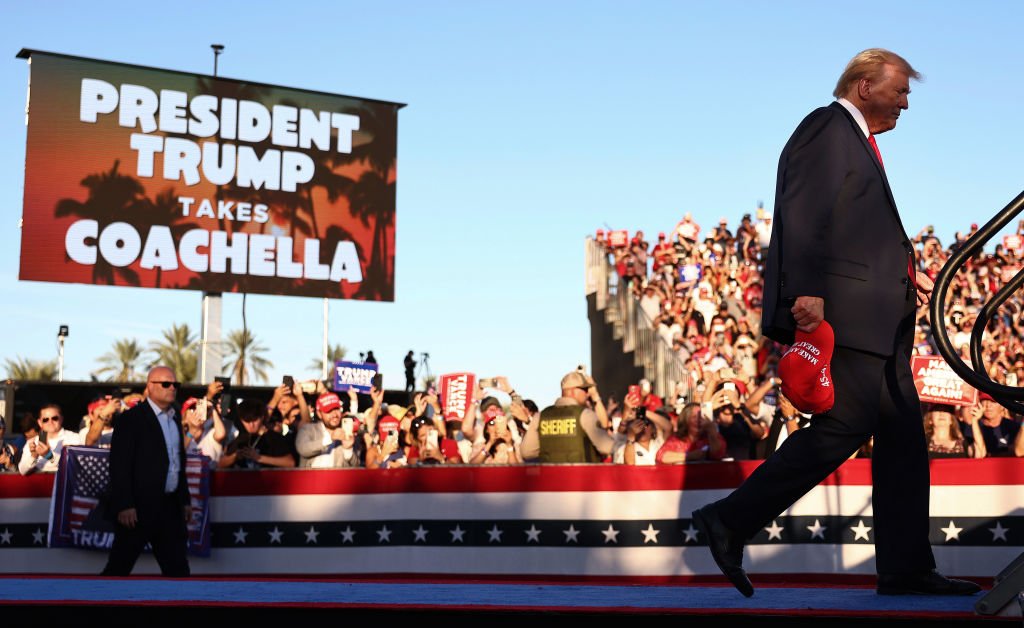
501 424
392 437
288 381
634 390
432 438
729 386
378 381
488 382
346 426
224 380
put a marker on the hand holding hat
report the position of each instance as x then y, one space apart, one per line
805 371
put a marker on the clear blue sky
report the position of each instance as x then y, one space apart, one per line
529 125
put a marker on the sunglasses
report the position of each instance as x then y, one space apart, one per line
175 385
47 419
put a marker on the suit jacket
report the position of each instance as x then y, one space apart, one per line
837 235
139 462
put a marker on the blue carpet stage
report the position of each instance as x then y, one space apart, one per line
140 598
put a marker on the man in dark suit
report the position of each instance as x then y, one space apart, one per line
149 493
839 253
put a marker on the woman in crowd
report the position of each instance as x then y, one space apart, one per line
203 429
942 430
696 438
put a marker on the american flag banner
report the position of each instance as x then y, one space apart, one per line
78 512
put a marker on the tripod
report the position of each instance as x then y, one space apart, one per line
424 372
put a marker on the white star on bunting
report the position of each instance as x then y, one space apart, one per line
691 534
952 532
650 534
311 535
817 530
348 535
533 534
998 532
384 535
571 534
240 535
774 531
38 536
611 535
860 531
275 535
494 534
420 534
457 534
5 538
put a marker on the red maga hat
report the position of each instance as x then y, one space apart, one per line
804 369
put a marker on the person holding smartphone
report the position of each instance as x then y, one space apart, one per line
42 452
332 442
428 446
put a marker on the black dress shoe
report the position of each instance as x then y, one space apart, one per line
930 583
726 547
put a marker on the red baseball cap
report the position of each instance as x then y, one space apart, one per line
984 396
327 402
386 424
804 369
189 404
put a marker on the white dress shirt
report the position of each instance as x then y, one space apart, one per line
172 438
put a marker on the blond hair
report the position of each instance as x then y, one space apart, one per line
870 64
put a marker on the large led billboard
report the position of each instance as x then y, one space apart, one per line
143 177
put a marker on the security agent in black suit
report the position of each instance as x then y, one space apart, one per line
839 253
149 492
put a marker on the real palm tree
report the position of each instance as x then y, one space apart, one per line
334 354
26 369
178 350
244 354
120 364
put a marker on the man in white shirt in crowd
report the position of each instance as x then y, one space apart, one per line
42 452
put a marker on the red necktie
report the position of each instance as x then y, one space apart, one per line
911 271
878 153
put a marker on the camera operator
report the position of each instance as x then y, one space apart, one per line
737 424
8 452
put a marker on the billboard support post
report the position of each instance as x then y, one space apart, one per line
210 359
212 306
325 368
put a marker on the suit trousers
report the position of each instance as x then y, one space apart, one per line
164 529
874 396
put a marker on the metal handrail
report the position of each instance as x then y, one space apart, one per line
978 375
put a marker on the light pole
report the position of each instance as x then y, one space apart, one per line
209 333
62 333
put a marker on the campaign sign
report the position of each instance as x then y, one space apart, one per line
353 376
1013 242
688 229
691 272
80 513
456 394
937 383
152 178
617 239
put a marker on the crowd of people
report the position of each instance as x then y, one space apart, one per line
702 298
